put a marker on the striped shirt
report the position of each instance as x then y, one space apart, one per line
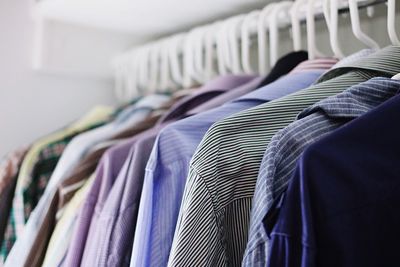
287 145
341 206
214 217
168 166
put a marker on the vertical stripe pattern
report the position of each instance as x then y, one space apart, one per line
287 145
224 169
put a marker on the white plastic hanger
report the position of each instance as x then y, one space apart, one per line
154 76
187 60
174 49
262 28
313 51
356 26
165 74
199 47
275 16
295 20
130 71
222 48
233 38
391 22
333 21
210 51
142 68
245 40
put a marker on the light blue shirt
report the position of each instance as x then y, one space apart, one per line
167 169
71 156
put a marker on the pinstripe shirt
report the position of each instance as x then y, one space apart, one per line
168 165
286 146
106 223
343 200
214 217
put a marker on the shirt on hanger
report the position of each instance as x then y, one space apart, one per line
286 146
29 248
341 206
88 247
36 169
215 209
167 167
40 152
60 239
282 67
88 164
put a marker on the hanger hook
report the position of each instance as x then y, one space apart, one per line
356 26
391 22
245 38
274 29
262 27
333 28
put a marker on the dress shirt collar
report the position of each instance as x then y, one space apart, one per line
355 101
315 64
148 102
216 86
384 60
281 87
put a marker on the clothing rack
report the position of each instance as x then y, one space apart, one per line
191 58
278 169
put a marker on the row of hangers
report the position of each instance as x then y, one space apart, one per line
223 47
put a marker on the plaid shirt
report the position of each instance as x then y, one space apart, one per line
39 177
9 167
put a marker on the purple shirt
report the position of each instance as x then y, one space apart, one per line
105 202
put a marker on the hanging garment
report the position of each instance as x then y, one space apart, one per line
88 246
287 145
60 239
214 216
36 170
282 67
88 165
341 206
167 167
29 249
9 167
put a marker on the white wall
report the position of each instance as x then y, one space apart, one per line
33 104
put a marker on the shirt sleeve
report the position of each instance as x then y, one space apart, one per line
197 226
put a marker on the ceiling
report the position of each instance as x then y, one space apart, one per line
144 19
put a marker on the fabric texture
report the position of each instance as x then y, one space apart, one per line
215 209
286 146
89 163
103 237
29 249
284 65
341 206
61 237
36 169
167 168
9 169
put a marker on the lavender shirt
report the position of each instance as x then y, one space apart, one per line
107 205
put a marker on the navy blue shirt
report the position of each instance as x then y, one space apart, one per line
342 206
